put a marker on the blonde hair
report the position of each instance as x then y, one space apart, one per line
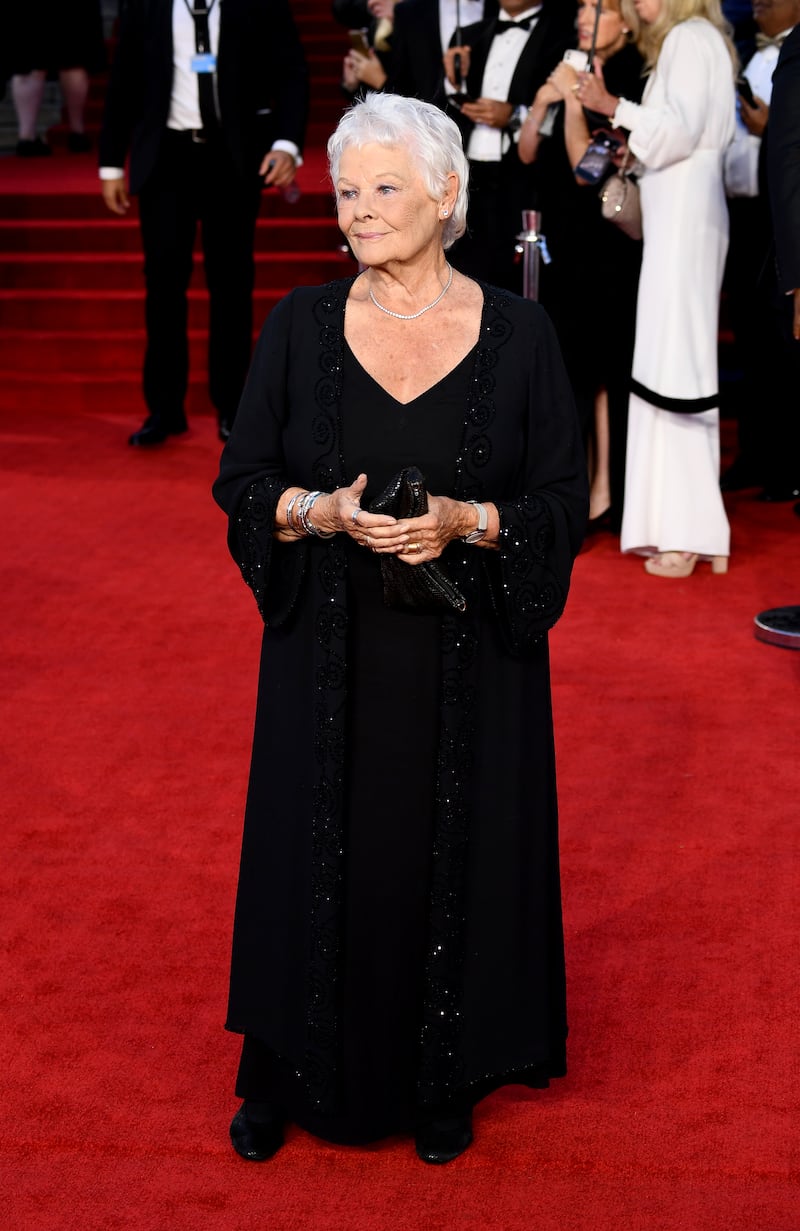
629 15
673 12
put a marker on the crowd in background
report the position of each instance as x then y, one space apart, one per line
554 100
677 93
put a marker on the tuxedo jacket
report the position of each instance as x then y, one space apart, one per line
783 159
415 66
262 84
554 32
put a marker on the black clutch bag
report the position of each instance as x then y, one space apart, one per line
413 587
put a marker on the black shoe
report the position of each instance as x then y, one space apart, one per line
777 495
740 474
440 1141
595 525
256 1141
225 424
797 509
79 143
154 431
37 148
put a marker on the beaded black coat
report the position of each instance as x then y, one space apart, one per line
494 1006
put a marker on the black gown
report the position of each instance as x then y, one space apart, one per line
590 286
398 944
389 786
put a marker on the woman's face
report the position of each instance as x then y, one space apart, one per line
610 30
648 10
383 206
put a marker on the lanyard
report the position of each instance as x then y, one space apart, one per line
201 32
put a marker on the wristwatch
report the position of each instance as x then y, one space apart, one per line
483 521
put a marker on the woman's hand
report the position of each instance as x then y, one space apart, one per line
445 521
366 70
592 92
563 82
341 511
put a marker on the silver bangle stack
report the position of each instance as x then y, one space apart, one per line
298 518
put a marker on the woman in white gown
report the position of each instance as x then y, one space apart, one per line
673 511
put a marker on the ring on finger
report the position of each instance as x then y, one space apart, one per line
354 514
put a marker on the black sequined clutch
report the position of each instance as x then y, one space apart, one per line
413 587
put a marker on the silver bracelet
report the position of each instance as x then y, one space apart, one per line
303 515
289 508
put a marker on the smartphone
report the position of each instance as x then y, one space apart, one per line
744 90
359 41
576 59
598 157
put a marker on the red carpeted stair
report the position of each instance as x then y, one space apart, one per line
71 289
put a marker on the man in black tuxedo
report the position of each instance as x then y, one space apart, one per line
505 60
209 98
783 163
423 30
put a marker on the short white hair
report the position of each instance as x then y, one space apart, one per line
431 137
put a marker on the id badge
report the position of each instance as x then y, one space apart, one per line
203 63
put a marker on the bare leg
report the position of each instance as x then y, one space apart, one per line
600 494
74 87
27 92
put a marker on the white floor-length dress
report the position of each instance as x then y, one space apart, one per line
679 132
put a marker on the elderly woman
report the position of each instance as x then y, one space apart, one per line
397 943
673 512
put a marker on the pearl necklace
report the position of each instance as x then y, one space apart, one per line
412 316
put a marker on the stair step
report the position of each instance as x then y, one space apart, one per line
122 235
123 270
97 351
81 310
119 392
316 202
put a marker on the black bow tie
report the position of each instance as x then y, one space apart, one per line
502 26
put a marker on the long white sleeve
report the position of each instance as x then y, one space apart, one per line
690 77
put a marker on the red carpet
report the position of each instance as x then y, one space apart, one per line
129 671
130 659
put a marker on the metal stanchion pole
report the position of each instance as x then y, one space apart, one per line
532 246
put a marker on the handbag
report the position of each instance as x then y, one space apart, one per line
413 587
620 201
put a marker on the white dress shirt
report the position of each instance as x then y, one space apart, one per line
184 105
487 144
740 162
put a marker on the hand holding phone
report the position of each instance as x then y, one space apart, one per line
359 41
598 158
744 90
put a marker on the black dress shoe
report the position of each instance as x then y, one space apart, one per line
155 431
35 148
79 143
595 525
225 426
440 1141
256 1141
777 495
740 475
